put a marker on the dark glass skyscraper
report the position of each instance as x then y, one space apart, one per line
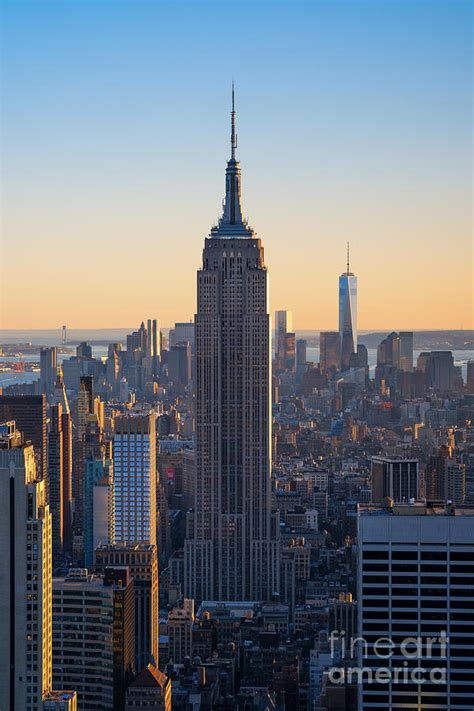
29 413
329 350
406 351
60 478
231 550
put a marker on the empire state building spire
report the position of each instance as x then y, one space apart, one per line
232 223
233 135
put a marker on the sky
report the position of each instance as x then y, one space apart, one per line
354 123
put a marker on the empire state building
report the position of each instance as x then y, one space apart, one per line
231 547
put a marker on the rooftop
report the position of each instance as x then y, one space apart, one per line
393 458
60 695
151 676
234 608
417 508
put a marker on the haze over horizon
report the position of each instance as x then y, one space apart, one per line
354 122
7 334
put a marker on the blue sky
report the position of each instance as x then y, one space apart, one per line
354 122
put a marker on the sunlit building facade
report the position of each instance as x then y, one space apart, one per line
25 578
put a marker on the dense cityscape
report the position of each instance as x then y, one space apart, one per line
203 518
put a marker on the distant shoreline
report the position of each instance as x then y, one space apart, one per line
441 339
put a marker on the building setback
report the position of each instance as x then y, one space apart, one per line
231 548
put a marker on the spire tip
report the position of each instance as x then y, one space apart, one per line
233 135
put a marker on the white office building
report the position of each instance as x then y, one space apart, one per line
134 487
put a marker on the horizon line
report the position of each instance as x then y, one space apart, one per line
312 329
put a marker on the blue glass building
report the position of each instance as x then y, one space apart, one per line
347 314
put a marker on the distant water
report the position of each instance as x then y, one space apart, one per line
461 358
10 378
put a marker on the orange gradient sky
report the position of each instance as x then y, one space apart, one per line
353 124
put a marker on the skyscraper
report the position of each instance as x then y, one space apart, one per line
347 314
286 352
25 577
397 350
84 350
301 359
153 348
231 546
82 408
120 580
455 482
301 352
83 638
113 367
439 371
134 454
59 396
98 505
414 585
181 333
396 478
60 478
29 413
406 351
388 350
180 364
283 322
48 369
470 377
142 560
445 478
329 350
284 341
136 341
